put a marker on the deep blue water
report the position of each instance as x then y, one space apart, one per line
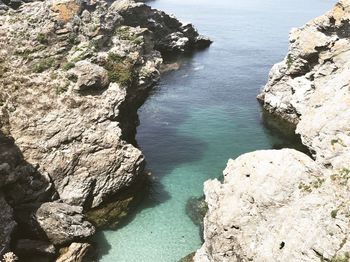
203 114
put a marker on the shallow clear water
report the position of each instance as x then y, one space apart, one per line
203 114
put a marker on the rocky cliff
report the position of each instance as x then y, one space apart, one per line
72 76
282 205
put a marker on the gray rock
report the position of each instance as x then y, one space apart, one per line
89 77
7 225
63 223
275 205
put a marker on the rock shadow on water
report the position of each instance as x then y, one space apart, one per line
173 151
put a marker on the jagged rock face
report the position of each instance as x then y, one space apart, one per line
65 122
311 86
72 76
63 223
170 34
275 205
282 205
63 114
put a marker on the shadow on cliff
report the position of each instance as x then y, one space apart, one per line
284 132
17 178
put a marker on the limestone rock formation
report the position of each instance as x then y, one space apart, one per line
72 76
283 205
275 205
311 86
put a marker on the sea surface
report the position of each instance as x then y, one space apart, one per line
203 114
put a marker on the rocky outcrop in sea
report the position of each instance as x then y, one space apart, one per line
72 76
282 205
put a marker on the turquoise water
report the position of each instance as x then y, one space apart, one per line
203 114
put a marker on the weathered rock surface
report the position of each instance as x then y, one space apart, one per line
63 223
76 252
169 33
282 205
275 205
311 86
72 76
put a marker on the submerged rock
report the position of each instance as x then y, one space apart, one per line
188 258
196 209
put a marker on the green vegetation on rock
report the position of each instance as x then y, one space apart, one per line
44 64
125 33
120 70
290 61
42 39
68 66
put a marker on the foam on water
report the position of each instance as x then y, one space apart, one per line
203 114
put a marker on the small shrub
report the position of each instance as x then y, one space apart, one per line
290 61
305 187
119 69
73 39
114 58
120 73
342 177
43 65
344 258
125 34
138 40
334 213
42 39
11 109
3 70
25 54
61 89
334 141
68 66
